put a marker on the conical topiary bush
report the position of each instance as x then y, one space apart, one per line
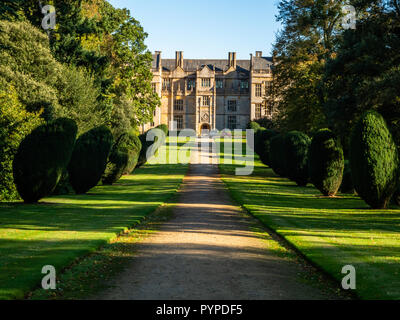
374 160
42 157
89 159
296 157
326 162
277 154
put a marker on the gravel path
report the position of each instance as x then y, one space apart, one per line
207 251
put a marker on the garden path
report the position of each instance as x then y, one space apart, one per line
208 251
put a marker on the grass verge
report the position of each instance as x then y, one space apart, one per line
329 232
61 229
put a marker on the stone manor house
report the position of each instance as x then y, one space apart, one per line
210 94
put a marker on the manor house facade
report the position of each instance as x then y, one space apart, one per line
210 94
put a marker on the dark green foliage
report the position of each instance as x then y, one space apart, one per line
258 139
143 151
347 182
15 124
374 160
164 128
396 196
145 147
253 125
296 157
89 159
64 186
326 162
265 123
277 151
131 144
263 145
123 158
42 157
117 163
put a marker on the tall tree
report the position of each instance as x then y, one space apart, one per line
308 39
365 72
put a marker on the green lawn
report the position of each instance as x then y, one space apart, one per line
330 232
60 229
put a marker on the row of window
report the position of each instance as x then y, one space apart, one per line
232 122
205 83
232 104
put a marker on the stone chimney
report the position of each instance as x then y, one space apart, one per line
251 61
258 54
179 59
232 59
158 59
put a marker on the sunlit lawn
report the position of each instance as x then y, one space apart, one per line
331 233
59 229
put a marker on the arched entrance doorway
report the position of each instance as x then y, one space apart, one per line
205 129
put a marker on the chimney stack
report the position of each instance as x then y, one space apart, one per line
179 59
158 59
258 54
232 59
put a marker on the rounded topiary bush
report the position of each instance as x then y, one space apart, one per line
116 165
265 146
326 162
146 145
277 154
42 157
253 125
296 157
89 159
347 185
131 143
143 151
374 160
164 128
258 139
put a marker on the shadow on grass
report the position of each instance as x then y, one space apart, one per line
60 228
331 232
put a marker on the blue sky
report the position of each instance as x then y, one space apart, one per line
206 28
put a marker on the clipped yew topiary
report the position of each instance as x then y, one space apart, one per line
42 157
277 154
116 165
164 128
146 145
253 125
296 157
374 160
265 146
326 162
143 151
89 159
133 146
258 140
